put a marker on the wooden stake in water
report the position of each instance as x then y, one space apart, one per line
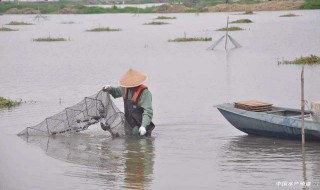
233 41
225 46
302 106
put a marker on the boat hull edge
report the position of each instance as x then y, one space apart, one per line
263 128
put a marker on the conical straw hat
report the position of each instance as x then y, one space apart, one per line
132 78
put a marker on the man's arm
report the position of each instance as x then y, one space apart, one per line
116 92
146 104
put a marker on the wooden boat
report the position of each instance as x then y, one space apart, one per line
275 122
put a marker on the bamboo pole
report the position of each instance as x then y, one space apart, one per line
302 107
225 46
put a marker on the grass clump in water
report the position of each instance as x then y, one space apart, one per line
7 103
234 28
165 17
289 15
190 39
4 29
115 9
307 60
248 13
70 22
102 29
49 39
156 23
19 23
241 21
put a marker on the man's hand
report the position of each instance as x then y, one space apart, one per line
106 88
142 130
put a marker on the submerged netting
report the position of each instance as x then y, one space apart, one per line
91 110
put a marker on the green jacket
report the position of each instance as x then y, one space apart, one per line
145 100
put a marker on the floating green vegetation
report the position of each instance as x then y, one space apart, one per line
234 28
49 39
70 22
241 21
308 60
101 29
165 17
156 23
190 39
7 103
19 23
289 15
115 9
7 29
248 13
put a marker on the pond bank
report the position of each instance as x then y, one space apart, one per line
80 8
262 6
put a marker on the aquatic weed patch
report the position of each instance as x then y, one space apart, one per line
7 103
241 21
248 13
234 28
70 22
289 15
156 23
102 29
307 60
165 17
190 39
19 23
115 9
49 39
5 29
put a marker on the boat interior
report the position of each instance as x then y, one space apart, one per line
289 113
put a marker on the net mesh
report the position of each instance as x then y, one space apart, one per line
93 109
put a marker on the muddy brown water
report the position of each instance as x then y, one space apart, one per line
193 146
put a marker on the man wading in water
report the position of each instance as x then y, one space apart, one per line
137 101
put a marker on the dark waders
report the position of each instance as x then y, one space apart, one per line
133 114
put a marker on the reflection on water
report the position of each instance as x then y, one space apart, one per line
122 162
304 168
138 162
284 160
